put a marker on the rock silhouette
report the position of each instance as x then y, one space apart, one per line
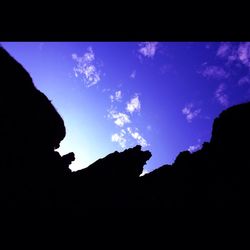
33 175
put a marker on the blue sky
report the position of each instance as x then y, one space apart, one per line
115 95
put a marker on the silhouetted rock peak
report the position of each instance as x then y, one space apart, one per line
126 164
32 130
230 132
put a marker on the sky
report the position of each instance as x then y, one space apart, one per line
112 96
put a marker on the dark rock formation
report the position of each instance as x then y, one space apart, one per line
111 181
31 130
34 175
216 176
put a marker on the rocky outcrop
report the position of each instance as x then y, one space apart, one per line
111 181
31 130
216 176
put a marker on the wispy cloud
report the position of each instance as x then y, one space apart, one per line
117 96
224 49
135 134
86 68
148 49
215 72
134 105
119 138
106 90
244 80
190 112
244 53
235 54
119 118
194 148
133 75
220 95
122 137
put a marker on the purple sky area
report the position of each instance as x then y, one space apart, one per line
114 95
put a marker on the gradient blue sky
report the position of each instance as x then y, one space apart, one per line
115 95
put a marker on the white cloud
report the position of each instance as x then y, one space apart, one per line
244 80
235 54
119 138
134 105
137 137
119 118
117 96
133 74
148 49
220 95
86 68
224 49
194 148
244 53
214 72
189 112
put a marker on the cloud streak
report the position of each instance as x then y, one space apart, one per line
148 49
214 72
122 120
244 53
135 134
244 80
224 50
220 95
117 96
194 148
235 54
134 105
119 118
133 75
119 138
122 137
86 68
190 112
